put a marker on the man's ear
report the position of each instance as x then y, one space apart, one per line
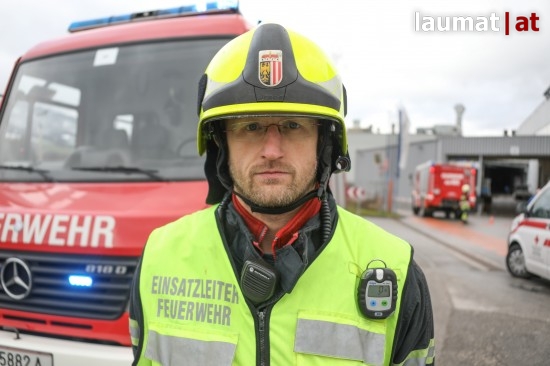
324 133
216 132
216 140
216 190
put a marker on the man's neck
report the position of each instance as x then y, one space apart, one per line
275 231
274 223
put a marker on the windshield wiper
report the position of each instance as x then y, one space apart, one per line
122 169
30 169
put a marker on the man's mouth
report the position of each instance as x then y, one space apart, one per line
271 174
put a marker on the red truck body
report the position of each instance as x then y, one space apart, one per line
438 187
97 148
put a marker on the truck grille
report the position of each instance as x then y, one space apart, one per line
51 292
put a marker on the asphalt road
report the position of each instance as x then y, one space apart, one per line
483 316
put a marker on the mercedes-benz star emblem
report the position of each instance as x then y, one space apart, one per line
16 278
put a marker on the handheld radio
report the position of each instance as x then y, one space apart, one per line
377 292
258 280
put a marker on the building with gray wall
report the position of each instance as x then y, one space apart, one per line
508 162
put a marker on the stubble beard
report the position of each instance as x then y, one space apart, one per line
272 193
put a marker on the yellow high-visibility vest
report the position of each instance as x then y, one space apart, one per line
195 313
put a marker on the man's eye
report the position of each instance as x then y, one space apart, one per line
251 127
291 125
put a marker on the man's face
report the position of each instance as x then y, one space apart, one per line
272 160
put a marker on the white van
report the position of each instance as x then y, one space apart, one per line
529 238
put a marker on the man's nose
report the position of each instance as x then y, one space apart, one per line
272 144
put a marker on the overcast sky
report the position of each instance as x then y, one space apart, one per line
383 61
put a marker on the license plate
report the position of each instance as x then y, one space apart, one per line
18 357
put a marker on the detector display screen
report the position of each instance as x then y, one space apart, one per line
378 290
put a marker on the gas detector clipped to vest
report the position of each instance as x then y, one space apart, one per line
377 291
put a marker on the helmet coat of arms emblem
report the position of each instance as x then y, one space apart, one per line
270 67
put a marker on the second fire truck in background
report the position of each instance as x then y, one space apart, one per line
438 187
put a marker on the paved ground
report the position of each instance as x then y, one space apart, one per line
483 316
483 238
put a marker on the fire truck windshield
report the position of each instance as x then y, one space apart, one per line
106 114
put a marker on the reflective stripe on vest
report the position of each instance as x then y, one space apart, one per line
339 341
134 332
176 351
420 357
193 305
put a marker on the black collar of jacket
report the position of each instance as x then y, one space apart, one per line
291 260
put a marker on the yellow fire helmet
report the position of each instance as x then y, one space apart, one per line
268 71
271 70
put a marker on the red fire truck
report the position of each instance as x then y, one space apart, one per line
438 187
97 148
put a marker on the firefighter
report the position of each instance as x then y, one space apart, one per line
464 203
275 272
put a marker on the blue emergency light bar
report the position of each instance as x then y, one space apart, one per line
194 9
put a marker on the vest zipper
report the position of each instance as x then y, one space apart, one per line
262 339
